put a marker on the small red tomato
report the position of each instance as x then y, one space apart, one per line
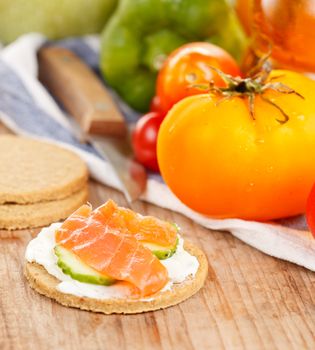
155 104
144 139
191 65
310 211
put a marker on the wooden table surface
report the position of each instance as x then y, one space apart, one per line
250 301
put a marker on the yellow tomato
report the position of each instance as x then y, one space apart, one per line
222 162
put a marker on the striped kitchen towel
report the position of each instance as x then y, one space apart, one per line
28 109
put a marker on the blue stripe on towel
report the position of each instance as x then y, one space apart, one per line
20 107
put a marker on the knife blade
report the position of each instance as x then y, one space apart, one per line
100 121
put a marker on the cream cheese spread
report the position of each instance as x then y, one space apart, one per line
41 251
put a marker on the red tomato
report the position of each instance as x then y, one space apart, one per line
310 211
191 65
155 105
244 10
144 139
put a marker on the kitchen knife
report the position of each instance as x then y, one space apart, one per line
85 98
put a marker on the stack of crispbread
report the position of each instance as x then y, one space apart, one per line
40 183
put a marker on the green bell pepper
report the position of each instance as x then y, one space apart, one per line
141 33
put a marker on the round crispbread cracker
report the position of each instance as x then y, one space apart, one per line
34 171
45 284
21 216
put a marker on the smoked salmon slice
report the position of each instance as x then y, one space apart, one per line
143 228
110 250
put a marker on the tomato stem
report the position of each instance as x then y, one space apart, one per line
251 86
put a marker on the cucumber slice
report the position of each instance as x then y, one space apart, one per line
161 252
71 265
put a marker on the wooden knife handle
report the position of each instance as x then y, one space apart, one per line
80 91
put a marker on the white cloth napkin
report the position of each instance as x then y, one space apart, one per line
28 109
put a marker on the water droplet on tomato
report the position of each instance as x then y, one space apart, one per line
171 129
250 187
191 78
270 169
